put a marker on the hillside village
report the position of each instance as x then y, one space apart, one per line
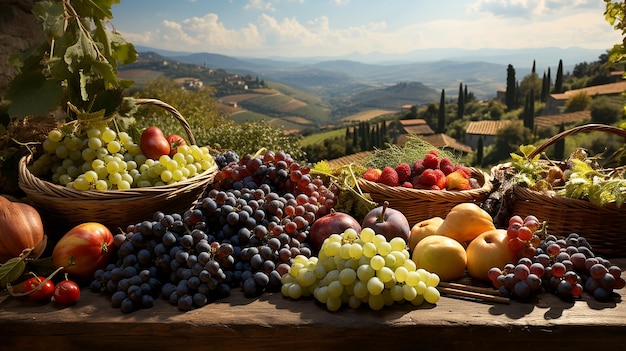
249 99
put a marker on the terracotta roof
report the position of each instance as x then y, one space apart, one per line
419 129
412 122
604 89
566 118
486 127
443 141
439 141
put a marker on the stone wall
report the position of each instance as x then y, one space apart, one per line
19 30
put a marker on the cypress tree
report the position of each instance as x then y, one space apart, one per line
533 70
383 132
355 136
558 81
510 96
441 121
460 103
544 87
347 136
559 146
531 110
479 151
466 97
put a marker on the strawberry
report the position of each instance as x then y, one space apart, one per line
446 166
441 178
404 172
407 184
372 174
431 160
428 177
418 167
388 176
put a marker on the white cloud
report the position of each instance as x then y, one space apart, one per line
259 5
289 36
532 9
340 2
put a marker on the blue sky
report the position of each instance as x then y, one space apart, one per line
304 28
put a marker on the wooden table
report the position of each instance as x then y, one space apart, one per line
272 322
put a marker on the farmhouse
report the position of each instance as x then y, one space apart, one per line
483 129
555 103
415 126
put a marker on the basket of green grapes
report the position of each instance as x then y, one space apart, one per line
96 172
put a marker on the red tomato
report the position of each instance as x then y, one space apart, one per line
153 143
66 292
175 141
45 291
84 249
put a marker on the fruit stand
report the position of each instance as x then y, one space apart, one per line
273 321
161 243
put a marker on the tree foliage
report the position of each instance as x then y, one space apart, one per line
510 98
75 67
578 102
605 110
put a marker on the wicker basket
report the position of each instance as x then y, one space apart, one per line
604 227
418 205
61 208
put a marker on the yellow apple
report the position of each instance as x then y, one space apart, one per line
466 221
441 255
489 249
423 229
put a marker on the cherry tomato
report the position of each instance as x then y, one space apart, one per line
153 143
45 291
66 292
175 141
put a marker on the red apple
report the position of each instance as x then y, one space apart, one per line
387 221
83 250
489 249
332 223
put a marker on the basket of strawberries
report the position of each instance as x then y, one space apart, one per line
428 187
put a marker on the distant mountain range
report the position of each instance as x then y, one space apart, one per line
483 71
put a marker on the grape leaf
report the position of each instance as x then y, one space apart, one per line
32 94
11 270
51 16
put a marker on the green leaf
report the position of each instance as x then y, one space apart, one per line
11 270
51 16
32 94
108 100
80 54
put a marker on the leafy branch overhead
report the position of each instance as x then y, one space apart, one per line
75 67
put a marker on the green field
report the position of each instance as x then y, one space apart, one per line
319 138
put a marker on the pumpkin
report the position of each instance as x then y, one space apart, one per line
20 228
465 222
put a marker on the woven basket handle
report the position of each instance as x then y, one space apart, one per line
173 111
585 128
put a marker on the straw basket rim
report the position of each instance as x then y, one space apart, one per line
451 195
30 183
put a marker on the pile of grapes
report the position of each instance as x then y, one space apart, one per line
564 266
245 232
103 159
360 268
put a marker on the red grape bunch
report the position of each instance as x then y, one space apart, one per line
564 266
523 234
